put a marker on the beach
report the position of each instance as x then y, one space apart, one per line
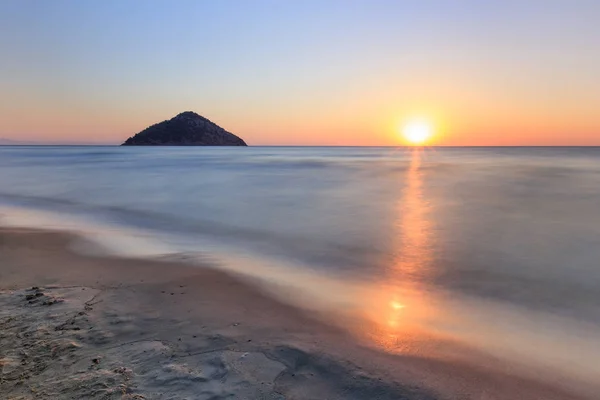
300 200
80 326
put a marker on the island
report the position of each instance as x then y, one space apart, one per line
185 129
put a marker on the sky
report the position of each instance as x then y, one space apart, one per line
303 72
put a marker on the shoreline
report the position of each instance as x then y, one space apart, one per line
168 330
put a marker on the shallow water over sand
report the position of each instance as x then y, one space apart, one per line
494 248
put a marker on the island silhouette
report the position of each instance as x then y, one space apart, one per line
185 129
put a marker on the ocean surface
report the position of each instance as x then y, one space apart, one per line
495 248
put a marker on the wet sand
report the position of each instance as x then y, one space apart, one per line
76 326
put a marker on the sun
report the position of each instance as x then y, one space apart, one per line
417 132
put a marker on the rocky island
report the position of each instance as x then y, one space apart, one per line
185 129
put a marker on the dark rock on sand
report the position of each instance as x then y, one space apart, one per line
186 129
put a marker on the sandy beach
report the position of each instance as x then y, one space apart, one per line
75 326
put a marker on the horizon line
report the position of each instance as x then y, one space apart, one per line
291 145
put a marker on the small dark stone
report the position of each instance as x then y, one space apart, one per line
39 294
96 360
29 297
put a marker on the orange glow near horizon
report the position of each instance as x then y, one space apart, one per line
375 120
351 126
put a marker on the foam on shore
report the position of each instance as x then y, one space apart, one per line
205 320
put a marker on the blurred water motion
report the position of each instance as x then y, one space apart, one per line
497 248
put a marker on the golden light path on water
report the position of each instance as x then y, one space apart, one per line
400 304
408 315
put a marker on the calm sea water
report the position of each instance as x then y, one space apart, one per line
493 240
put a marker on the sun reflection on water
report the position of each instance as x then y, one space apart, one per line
401 305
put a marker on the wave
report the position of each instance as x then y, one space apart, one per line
315 253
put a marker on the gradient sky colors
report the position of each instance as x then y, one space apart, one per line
497 72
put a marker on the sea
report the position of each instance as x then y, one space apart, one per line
494 248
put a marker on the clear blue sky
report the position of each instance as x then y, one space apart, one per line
303 72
